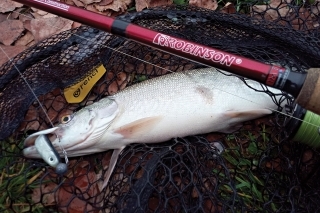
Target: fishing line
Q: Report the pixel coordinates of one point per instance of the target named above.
(144, 61)
(29, 86)
(282, 113)
(37, 99)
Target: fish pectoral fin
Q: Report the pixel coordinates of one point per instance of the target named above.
(138, 127)
(237, 117)
(112, 164)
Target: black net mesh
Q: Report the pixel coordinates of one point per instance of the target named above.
(260, 170)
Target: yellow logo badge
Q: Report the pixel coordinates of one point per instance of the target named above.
(76, 93)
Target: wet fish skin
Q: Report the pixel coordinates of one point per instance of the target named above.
(175, 105)
(156, 110)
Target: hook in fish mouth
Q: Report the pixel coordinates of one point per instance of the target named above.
(39, 145)
(45, 148)
(47, 152)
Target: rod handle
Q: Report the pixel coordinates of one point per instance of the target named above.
(309, 96)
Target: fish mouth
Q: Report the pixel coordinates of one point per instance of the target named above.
(76, 140)
(30, 151)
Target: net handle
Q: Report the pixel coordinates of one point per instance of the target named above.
(309, 96)
(270, 75)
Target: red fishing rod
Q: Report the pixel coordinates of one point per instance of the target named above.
(304, 87)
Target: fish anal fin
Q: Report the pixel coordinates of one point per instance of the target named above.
(112, 164)
(232, 128)
(138, 127)
(237, 117)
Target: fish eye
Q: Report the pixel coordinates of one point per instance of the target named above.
(65, 119)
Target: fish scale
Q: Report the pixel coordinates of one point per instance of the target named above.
(176, 95)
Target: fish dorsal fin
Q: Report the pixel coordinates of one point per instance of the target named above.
(138, 127)
(112, 164)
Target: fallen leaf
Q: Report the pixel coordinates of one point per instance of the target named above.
(229, 8)
(10, 31)
(27, 25)
(122, 80)
(117, 6)
(44, 194)
(31, 43)
(36, 15)
(274, 164)
(86, 2)
(141, 4)
(315, 9)
(43, 28)
(56, 105)
(17, 4)
(8, 6)
(194, 193)
(105, 2)
(212, 206)
(11, 51)
(25, 39)
(156, 3)
(70, 2)
(34, 9)
(41, 12)
(15, 14)
(154, 204)
(3, 17)
(273, 11)
(302, 20)
(307, 156)
(59, 103)
(215, 137)
(76, 24)
(208, 4)
(25, 17)
(84, 182)
(78, 3)
(49, 15)
(92, 8)
(114, 87)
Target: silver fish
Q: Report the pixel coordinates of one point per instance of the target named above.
(156, 110)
